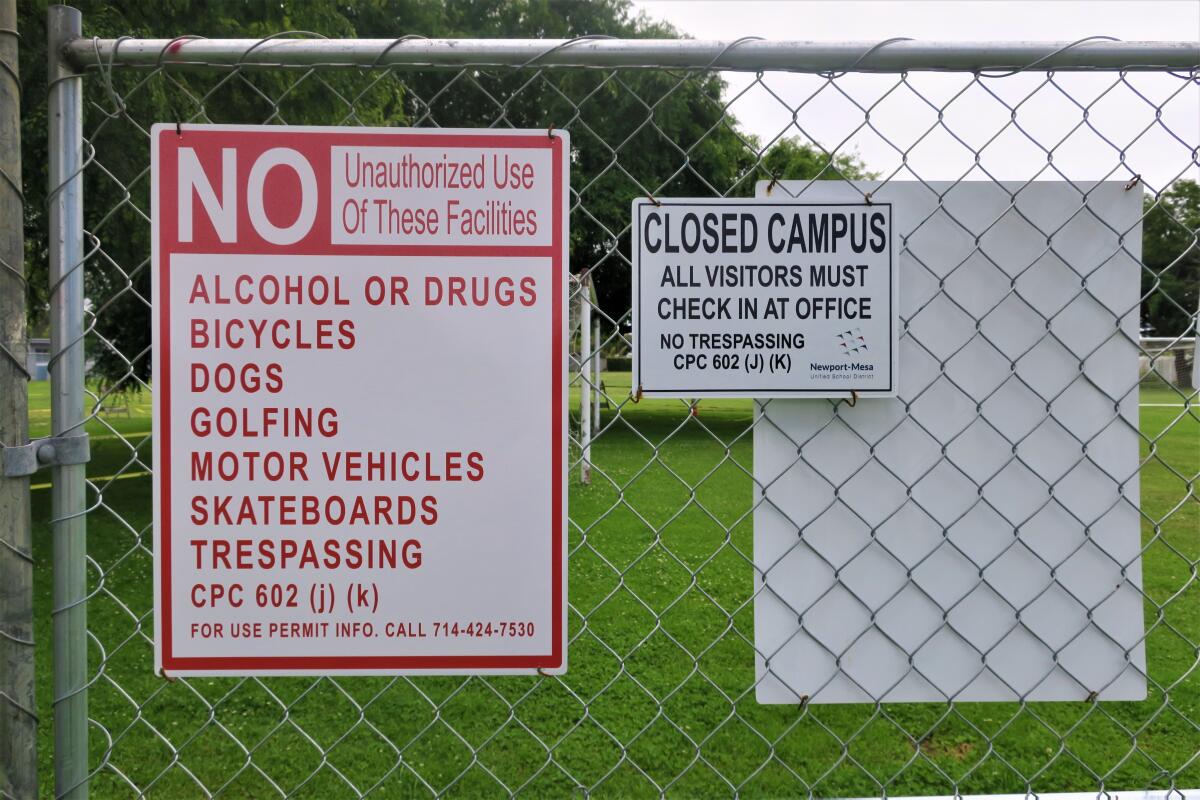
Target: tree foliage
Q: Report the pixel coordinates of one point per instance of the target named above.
(791, 159)
(1171, 280)
(118, 111)
(634, 132)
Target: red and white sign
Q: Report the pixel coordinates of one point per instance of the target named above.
(359, 400)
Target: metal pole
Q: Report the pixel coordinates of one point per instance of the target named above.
(585, 379)
(890, 56)
(596, 374)
(1196, 349)
(18, 711)
(69, 531)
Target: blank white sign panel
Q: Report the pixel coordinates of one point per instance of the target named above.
(983, 545)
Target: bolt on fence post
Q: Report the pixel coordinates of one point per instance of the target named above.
(68, 524)
(18, 711)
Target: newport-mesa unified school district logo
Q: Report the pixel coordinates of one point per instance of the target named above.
(852, 342)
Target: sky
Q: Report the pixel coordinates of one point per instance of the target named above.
(1121, 114)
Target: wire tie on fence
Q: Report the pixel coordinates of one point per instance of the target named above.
(653, 199)
(867, 197)
(178, 128)
(563, 45)
(408, 37)
(550, 131)
(771, 185)
(1033, 64)
(803, 701)
(853, 399)
(1092, 695)
(1133, 182)
(637, 396)
(162, 673)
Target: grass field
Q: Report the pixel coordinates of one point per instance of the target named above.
(647, 704)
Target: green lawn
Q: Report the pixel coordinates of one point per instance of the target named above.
(666, 702)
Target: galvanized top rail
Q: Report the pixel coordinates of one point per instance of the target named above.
(749, 54)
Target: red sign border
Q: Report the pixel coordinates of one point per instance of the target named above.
(165, 142)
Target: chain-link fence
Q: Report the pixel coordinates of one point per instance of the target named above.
(660, 697)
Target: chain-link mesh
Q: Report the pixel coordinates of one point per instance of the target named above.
(660, 695)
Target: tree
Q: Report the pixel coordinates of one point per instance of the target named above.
(634, 132)
(116, 124)
(790, 159)
(1172, 258)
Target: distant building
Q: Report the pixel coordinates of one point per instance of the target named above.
(37, 360)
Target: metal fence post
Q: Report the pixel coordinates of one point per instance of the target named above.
(18, 717)
(64, 23)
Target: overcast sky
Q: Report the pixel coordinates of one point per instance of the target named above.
(1048, 117)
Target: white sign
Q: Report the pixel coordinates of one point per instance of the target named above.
(978, 536)
(745, 298)
(359, 400)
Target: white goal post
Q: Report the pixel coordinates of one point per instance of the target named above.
(584, 328)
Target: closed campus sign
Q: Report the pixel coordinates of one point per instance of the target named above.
(759, 298)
